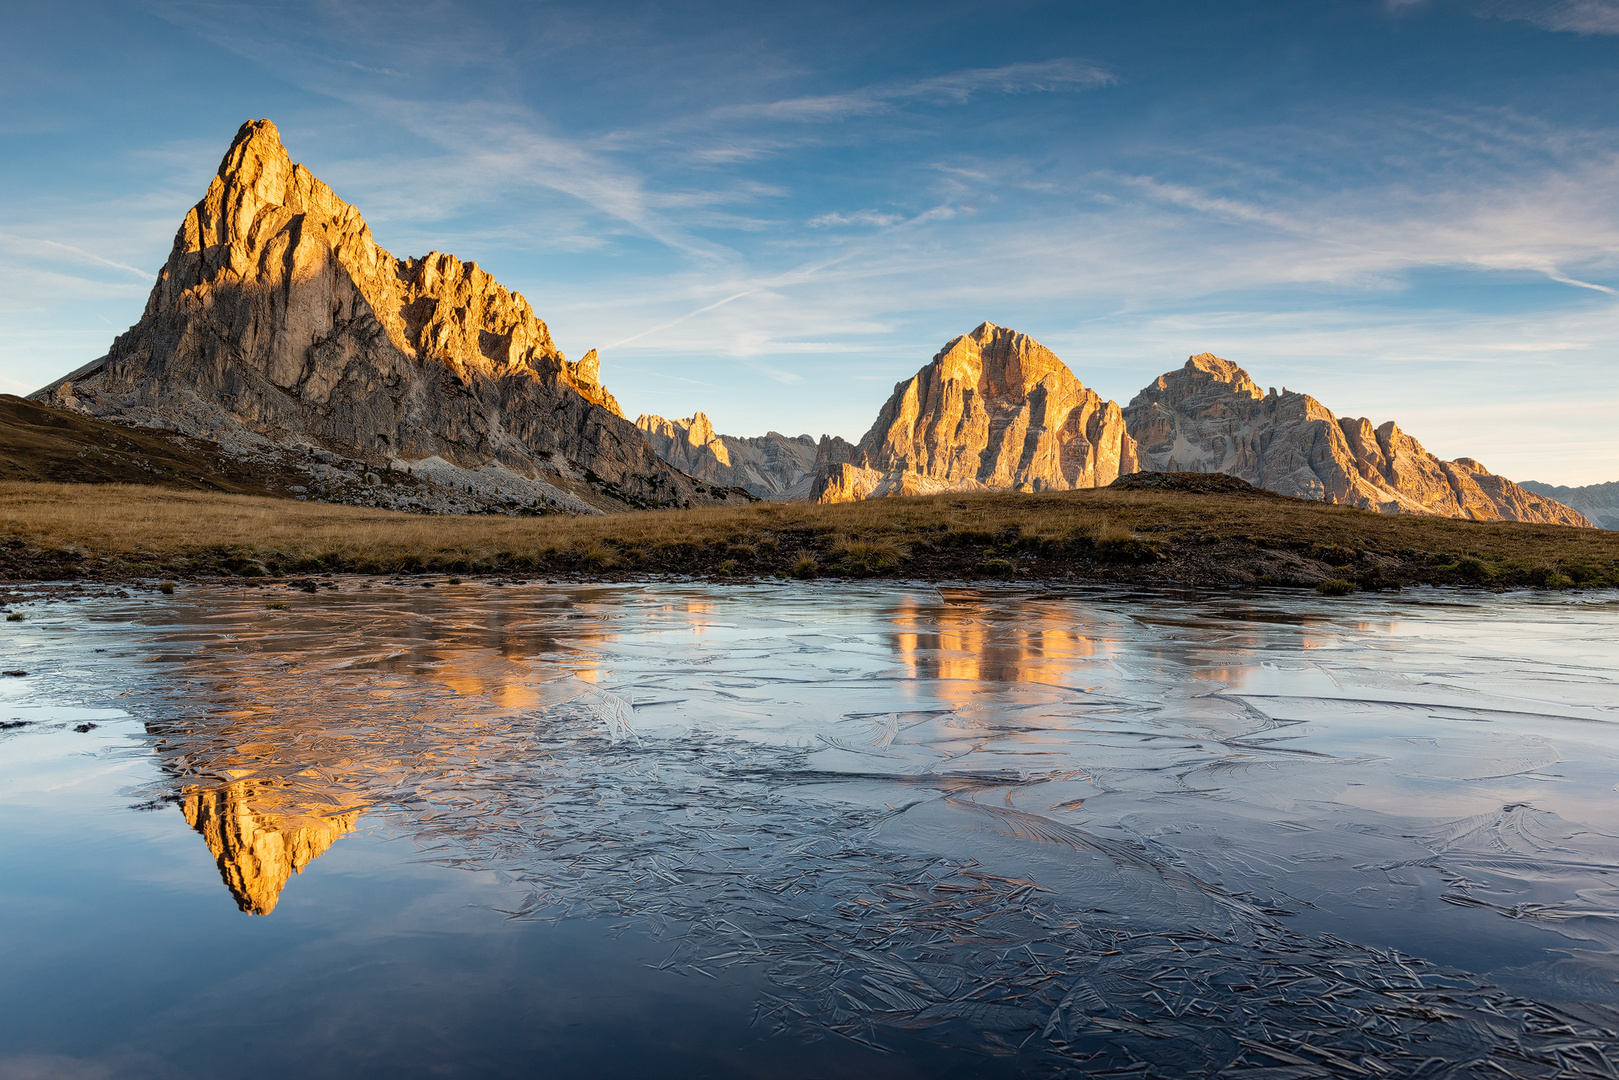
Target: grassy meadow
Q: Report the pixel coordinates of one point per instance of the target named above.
(110, 532)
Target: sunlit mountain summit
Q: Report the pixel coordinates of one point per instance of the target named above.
(279, 325)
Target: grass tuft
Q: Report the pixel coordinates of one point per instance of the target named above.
(595, 557)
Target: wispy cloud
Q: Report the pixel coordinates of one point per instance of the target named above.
(955, 88)
(69, 252)
(1570, 16)
(873, 218)
(1541, 226)
(506, 148)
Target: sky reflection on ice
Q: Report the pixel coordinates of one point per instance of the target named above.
(1074, 831)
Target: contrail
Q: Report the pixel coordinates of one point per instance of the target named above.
(83, 254)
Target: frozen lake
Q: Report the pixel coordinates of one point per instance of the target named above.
(809, 830)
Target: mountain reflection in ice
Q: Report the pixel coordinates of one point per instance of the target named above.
(258, 847)
(1097, 831)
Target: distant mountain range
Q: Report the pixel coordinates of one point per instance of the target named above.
(1599, 502)
(280, 333)
(769, 466)
(996, 409)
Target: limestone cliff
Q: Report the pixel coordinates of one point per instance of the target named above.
(278, 315)
(1599, 502)
(257, 844)
(771, 466)
(1209, 416)
(994, 409)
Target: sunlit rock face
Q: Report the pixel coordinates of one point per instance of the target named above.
(1209, 416)
(257, 843)
(771, 466)
(995, 409)
(278, 315)
(1599, 502)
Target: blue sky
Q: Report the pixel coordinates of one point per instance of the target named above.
(774, 212)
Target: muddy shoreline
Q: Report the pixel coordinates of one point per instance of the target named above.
(1215, 570)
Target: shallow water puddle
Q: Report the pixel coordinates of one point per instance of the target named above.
(810, 830)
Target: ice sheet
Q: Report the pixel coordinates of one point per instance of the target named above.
(1094, 830)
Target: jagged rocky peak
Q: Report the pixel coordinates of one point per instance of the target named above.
(1206, 372)
(1209, 416)
(278, 316)
(994, 409)
(771, 466)
(586, 377)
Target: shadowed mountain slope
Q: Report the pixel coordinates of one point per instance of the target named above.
(38, 442)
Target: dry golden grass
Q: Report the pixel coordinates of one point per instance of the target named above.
(128, 519)
(131, 530)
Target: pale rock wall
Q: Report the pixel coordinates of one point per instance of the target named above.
(771, 466)
(1599, 502)
(279, 314)
(1209, 416)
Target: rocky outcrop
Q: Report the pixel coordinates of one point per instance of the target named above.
(771, 466)
(994, 409)
(586, 378)
(1599, 502)
(1209, 416)
(257, 848)
(278, 316)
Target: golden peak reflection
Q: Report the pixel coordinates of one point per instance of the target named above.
(257, 849)
(968, 641)
(305, 723)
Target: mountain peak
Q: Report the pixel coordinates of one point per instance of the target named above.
(278, 314)
(994, 408)
(261, 134)
(1222, 371)
(256, 160)
(1208, 416)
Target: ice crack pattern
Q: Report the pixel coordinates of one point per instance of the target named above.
(1093, 834)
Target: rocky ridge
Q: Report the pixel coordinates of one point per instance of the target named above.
(1599, 502)
(1209, 416)
(994, 409)
(771, 466)
(279, 322)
